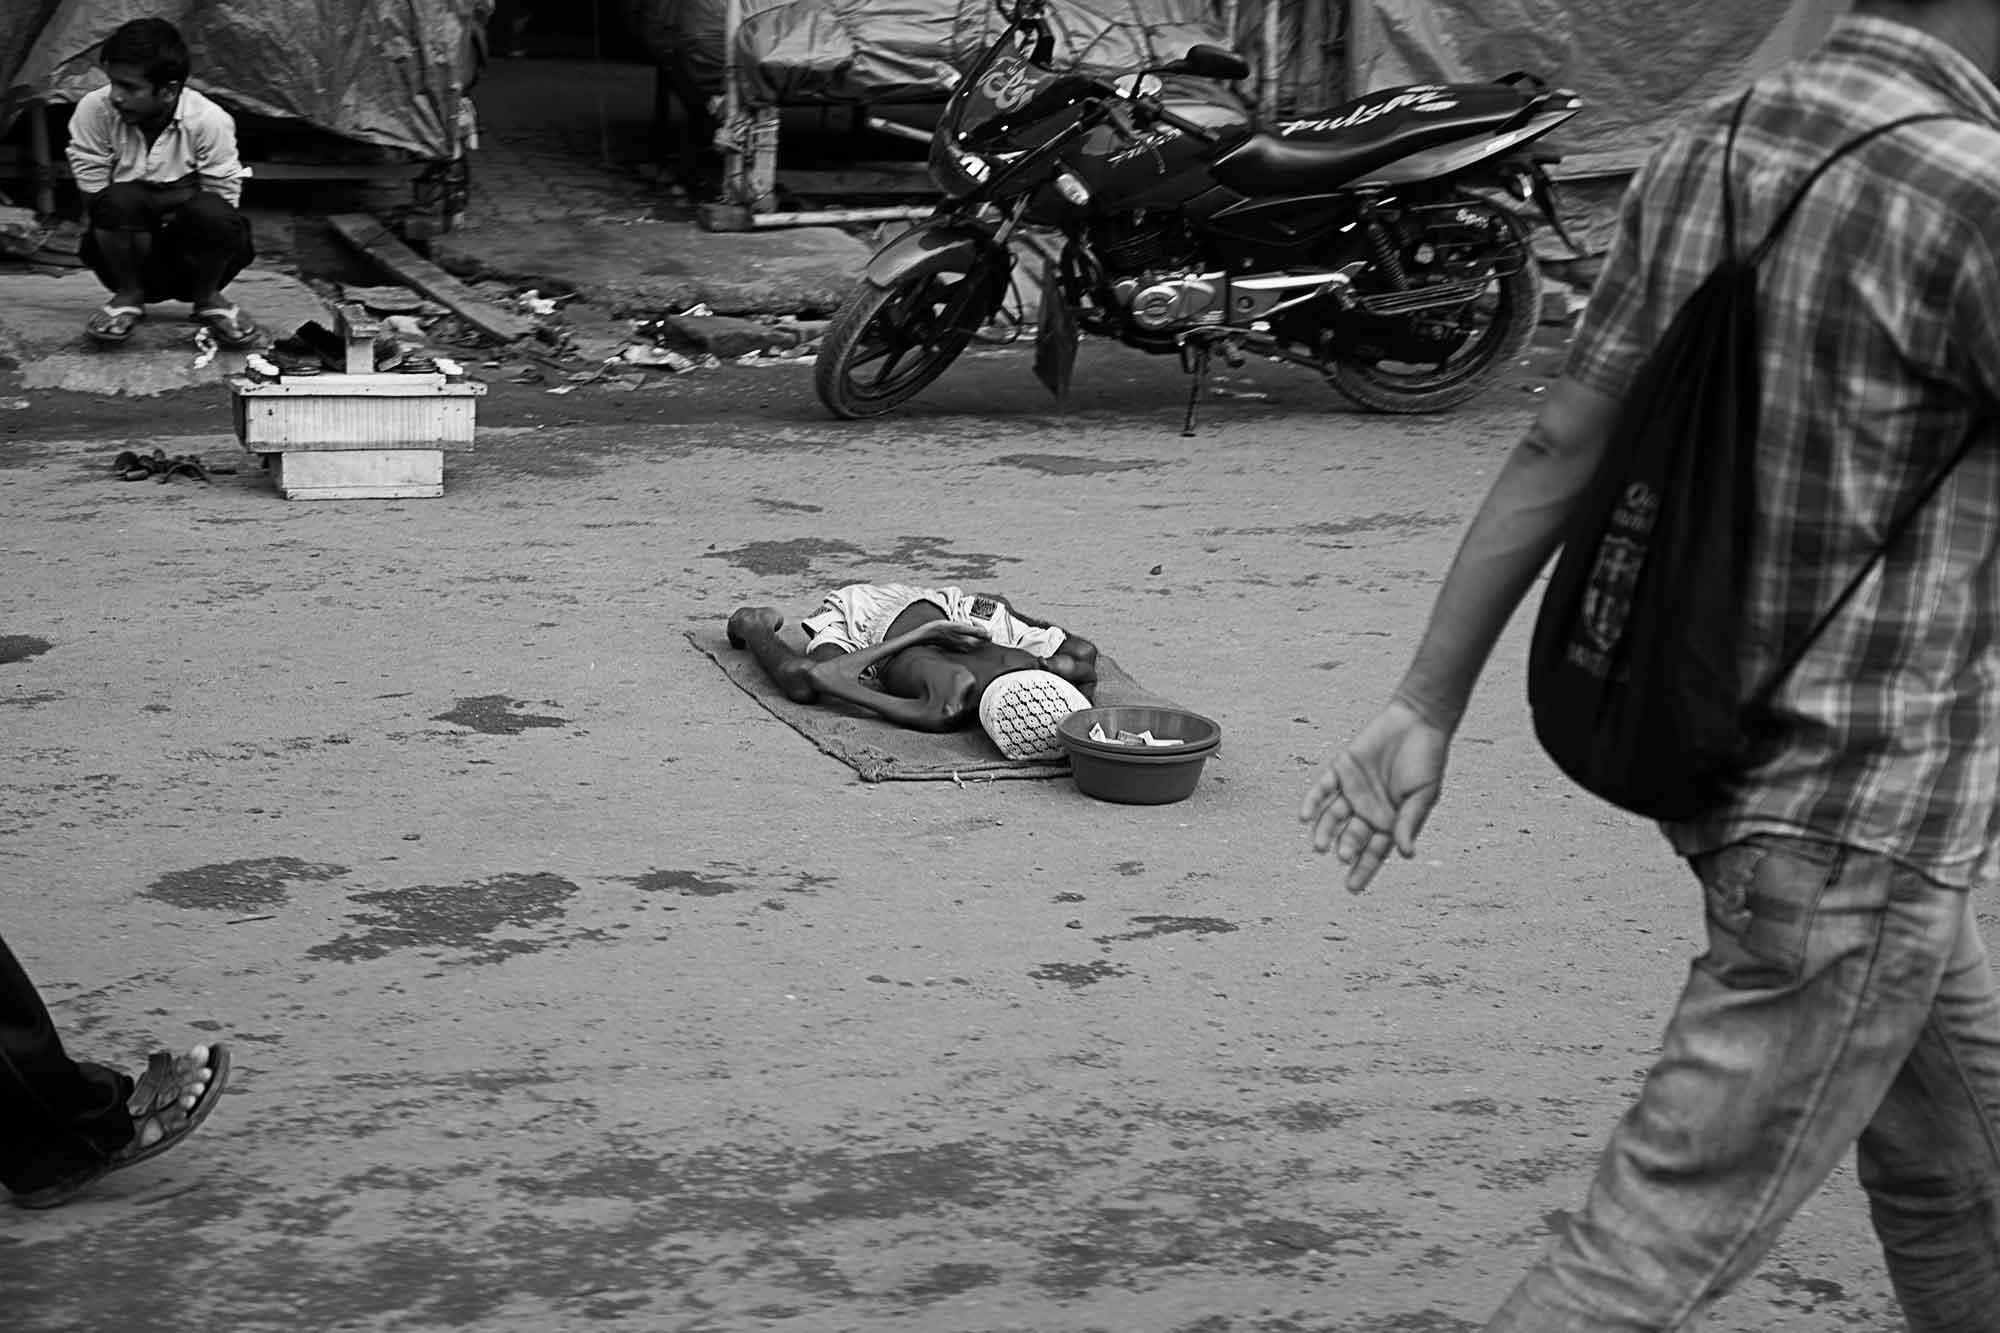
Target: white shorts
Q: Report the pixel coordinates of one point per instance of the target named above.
(859, 615)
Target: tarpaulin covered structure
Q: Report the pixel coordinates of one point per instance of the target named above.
(792, 52)
(1638, 64)
(391, 73)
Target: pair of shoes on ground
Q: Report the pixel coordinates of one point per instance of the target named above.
(133, 466)
(232, 325)
(172, 1097)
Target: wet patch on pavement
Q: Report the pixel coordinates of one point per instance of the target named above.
(1077, 975)
(21, 647)
(920, 560)
(1524, 1172)
(695, 884)
(496, 715)
(238, 886)
(1806, 1294)
(940, 1281)
(931, 561)
(1156, 926)
(467, 919)
(1074, 465)
(1311, 1074)
(787, 558)
(1313, 1117)
(1427, 1320)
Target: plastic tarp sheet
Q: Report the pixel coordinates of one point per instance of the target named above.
(385, 72)
(1638, 64)
(793, 52)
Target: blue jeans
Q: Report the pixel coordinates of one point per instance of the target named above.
(1843, 1000)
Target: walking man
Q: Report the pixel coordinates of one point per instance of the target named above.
(156, 164)
(1844, 999)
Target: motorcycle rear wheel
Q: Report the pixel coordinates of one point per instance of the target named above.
(1513, 306)
(887, 345)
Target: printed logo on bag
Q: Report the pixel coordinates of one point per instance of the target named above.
(1621, 556)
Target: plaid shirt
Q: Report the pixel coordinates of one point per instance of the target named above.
(1880, 314)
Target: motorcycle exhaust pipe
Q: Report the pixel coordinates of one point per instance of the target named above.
(1427, 298)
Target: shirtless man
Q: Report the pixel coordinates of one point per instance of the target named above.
(930, 653)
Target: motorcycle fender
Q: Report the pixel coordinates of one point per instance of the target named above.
(919, 243)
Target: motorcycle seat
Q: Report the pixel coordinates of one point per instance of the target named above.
(1330, 148)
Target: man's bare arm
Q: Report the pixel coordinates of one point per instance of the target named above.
(1517, 528)
(839, 677)
(1377, 791)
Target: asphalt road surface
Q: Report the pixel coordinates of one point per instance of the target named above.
(570, 990)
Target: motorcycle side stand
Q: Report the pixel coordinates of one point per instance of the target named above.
(1197, 352)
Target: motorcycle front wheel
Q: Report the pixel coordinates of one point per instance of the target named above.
(1503, 319)
(887, 344)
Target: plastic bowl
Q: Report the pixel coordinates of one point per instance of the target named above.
(1138, 774)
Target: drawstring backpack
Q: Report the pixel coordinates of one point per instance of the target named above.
(1633, 672)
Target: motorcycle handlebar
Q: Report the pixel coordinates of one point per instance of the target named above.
(1158, 110)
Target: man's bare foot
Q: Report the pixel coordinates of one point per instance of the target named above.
(746, 619)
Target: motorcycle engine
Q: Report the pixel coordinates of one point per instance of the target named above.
(1159, 302)
(1150, 266)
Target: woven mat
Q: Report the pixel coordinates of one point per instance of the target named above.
(882, 751)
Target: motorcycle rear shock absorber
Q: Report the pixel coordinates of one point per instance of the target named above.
(1383, 243)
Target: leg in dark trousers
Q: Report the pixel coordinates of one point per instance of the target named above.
(119, 246)
(151, 243)
(57, 1116)
(210, 244)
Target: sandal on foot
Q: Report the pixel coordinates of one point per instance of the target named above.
(168, 1101)
(137, 467)
(114, 323)
(231, 325)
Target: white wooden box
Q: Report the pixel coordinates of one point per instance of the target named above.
(358, 436)
(359, 474)
(374, 411)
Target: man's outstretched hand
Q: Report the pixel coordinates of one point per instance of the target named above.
(1376, 792)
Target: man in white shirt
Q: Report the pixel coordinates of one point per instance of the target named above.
(156, 164)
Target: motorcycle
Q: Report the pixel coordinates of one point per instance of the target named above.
(1377, 242)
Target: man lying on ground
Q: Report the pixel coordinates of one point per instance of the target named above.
(921, 657)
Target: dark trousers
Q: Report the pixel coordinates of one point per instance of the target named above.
(57, 1115)
(194, 234)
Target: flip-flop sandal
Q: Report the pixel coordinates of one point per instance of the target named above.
(132, 466)
(114, 323)
(230, 325)
(155, 1102)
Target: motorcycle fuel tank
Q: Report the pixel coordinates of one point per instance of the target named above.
(1162, 166)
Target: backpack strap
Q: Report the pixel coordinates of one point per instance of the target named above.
(1785, 214)
(1902, 521)
(1897, 528)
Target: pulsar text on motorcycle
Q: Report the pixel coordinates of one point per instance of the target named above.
(1376, 242)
